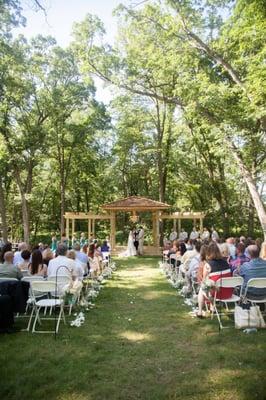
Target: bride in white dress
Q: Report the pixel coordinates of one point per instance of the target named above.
(131, 249)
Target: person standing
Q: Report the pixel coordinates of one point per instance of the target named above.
(173, 235)
(183, 235)
(194, 234)
(141, 240)
(205, 236)
(136, 239)
(214, 235)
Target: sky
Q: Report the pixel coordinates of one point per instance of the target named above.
(61, 14)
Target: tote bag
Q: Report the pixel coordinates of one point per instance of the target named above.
(248, 317)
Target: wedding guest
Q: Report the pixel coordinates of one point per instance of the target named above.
(6, 247)
(17, 256)
(240, 259)
(255, 268)
(263, 251)
(24, 265)
(194, 234)
(8, 269)
(79, 269)
(193, 266)
(47, 256)
(183, 235)
(36, 266)
(173, 235)
(214, 235)
(202, 264)
(205, 236)
(55, 265)
(232, 248)
(54, 244)
(215, 268)
(105, 248)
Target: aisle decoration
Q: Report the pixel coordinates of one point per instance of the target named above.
(89, 292)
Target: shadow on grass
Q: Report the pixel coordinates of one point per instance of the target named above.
(138, 343)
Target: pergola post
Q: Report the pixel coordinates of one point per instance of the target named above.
(155, 229)
(174, 225)
(93, 227)
(112, 230)
(201, 224)
(179, 226)
(73, 227)
(67, 228)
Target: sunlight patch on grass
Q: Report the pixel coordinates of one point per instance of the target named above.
(133, 336)
(152, 294)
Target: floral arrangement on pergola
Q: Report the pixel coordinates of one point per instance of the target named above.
(136, 204)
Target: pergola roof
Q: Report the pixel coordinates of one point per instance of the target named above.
(135, 203)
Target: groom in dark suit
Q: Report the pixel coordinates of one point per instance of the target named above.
(136, 238)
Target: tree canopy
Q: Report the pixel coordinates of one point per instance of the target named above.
(186, 124)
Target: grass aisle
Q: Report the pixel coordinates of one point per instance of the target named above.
(138, 343)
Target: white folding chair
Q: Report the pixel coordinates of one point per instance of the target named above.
(226, 283)
(106, 258)
(47, 287)
(255, 283)
(31, 298)
(62, 283)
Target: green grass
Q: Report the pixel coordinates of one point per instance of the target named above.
(138, 343)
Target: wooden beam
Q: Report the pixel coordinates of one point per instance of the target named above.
(112, 230)
(67, 228)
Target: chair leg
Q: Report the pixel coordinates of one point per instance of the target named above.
(35, 320)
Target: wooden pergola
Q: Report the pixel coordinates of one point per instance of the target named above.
(71, 218)
(135, 205)
(179, 216)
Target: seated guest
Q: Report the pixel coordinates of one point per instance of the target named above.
(187, 257)
(8, 269)
(191, 274)
(47, 256)
(17, 256)
(93, 261)
(62, 261)
(232, 248)
(80, 255)
(79, 269)
(225, 251)
(36, 266)
(263, 251)
(240, 258)
(105, 248)
(173, 235)
(215, 268)
(24, 265)
(202, 264)
(255, 268)
(6, 247)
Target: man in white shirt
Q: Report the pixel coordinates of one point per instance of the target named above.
(214, 235)
(173, 235)
(17, 256)
(205, 234)
(183, 235)
(194, 234)
(62, 261)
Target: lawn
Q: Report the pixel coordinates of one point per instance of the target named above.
(137, 343)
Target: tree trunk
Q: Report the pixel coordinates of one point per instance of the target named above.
(3, 213)
(24, 206)
(62, 207)
(251, 187)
